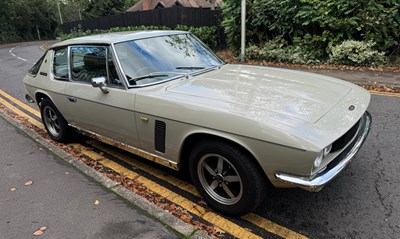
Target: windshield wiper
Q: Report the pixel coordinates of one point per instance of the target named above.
(156, 74)
(190, 67)
(151, 75)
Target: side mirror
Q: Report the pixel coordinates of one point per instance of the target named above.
(101, 83)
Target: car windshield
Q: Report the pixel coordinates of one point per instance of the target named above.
(158, 59)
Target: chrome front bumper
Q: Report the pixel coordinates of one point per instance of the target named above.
(317, 182)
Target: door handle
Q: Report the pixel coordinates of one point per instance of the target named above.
(72, 99)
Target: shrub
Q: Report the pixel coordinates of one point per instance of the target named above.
(356, 53)
(278, 50)
(207, 34)
(321, 24)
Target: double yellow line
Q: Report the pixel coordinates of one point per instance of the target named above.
(194, 208)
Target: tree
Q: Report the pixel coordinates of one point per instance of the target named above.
(129, 4)
(104, 8)
(30, 16)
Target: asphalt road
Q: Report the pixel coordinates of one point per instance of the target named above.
(362, 202)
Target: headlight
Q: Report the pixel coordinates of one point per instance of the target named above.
(322, 154)
(327, 150)
(318, 160)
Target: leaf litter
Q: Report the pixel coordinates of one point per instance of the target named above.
(132, 185)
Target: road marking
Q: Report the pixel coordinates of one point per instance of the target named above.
(384, 93)
(20, 113)
(251, 217)
(11, 52)
(21, 104)
(192, 207)
(272, 227)
(224, 224)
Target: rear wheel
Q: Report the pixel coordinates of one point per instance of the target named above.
(55, 124)
(227, 177)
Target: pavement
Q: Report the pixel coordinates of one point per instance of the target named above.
(61, 198)
(379, 78)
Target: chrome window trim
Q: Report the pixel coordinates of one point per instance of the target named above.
(52, 75)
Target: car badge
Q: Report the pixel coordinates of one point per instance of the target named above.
(352, 107)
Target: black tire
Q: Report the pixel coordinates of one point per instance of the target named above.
(55, 124)
(234, 187)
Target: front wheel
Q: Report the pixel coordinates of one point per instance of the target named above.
(55, 124)
(227, 177)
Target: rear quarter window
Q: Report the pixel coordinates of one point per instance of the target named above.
(60, 64)
(35, 68)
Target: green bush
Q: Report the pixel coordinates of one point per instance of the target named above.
(320, 24)
(207, 34)
(356, 53)
(278, 50)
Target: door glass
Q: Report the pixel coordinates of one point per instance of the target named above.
(88, 62)
(60, 64)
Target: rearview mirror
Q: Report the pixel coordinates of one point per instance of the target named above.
(101, 83)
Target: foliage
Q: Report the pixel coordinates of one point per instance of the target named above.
(278, 50)
(20, 20)
(130, 3)
(356, 53)
(104, 8)
(321, 24)
(207, 34)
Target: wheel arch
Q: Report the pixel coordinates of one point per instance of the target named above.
(191, 140)
(39, 96)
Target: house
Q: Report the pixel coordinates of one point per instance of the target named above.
(144, 5)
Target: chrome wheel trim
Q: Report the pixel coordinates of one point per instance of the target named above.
(220, 179)
(51, 120)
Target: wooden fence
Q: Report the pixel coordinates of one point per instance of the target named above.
(170, 17)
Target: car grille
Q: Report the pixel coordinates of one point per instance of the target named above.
(346, 138)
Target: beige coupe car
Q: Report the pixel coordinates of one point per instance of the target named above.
(166, 97)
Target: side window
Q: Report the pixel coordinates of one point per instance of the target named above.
(35, 68)
(88, 62)
(112, 71)
(60, 64)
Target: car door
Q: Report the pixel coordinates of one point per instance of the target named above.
(108, 112)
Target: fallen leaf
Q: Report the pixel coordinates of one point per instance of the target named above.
(28, 183)
(186, 218)
(38, 233)
(13, 189)
(202, 203)
(97, 202)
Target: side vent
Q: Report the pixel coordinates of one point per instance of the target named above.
(159, 136)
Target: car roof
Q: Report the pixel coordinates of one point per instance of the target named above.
(109, 38)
